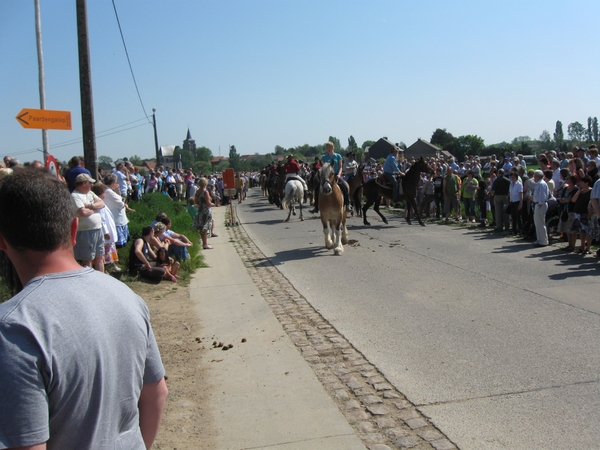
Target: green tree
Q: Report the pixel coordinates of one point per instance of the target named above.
(105, 162)
(366, 144)
(337, 147)
(184, 156)
(352, 145)
(234, 159)
(576, 132)
(589, 136)
(519, 139)
(279, 150)
(545, 139)
(595, 129)
(559, 136)
(204, 154)
(136, 160)
(468, 145)
(443, 139)
(203, 167)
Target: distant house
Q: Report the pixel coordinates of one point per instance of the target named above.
(380, 149)
(218, 160)
(422, 148)
(166, 154)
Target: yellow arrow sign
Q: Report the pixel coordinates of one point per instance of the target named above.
(44, 119)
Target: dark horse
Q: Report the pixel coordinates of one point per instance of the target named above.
(373, 192)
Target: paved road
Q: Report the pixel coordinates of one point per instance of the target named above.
(495, 341)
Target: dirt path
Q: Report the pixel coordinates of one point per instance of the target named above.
(186, 422)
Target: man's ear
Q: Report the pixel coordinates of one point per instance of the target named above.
(74, 226)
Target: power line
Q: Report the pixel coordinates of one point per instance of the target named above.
(129, 61)
(100, 134)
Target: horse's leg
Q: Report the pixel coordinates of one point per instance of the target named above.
(293, 208)
(326, 234)
(289, 214)
(368, 203)
(376, 209)
(408, 208)
(414, 203)
(359, 202)
(301, 217)
(338, 249)
(344, 230)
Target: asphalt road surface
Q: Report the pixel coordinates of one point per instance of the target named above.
(494, 340)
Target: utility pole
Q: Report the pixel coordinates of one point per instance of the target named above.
(38, 38)
(155, 137)
(85, 89)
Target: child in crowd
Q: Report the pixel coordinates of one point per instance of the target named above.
(169, 264)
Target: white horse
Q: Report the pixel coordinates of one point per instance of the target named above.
(294, 190)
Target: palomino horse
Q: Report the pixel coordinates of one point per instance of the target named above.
(373, 192)
(332, 210)
(294, 190)
(263, 184)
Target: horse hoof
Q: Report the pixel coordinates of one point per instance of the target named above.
(301, 219)
(294, 213)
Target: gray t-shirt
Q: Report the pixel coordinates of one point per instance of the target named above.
(76, 349)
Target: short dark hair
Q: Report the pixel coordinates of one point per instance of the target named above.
(160, 216)
(147, 230)
(99, 188)
(37, 211)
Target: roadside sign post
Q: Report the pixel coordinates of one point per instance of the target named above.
(44, 119)
(229, 190)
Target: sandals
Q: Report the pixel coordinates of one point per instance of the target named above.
(214, 235)
(207, 247)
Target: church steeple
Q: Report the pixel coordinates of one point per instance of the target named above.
(189, 143)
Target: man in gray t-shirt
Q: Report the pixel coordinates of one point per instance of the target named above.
(80, 365)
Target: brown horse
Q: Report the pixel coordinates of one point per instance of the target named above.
(332, 210)
(373, 192)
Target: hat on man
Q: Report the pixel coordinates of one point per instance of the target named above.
(83, 177)
(291, 155)
(350, 154)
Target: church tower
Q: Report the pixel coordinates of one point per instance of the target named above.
(190, 144)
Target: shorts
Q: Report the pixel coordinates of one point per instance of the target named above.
(89, 244)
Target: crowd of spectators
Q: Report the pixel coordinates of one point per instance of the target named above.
(102, 206)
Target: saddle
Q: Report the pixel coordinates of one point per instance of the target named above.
(295, 177)
(382, 181)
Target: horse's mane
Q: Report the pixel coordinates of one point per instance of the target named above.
(326, 170)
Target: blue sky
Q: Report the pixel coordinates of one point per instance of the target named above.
(261, 73)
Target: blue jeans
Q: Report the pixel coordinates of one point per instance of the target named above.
(392, 179)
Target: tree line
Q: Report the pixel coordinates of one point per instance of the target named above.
(460, 147)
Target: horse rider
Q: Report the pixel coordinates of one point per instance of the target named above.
(314, 167)
(292, 172)
(390, 170)
(335, 159)
(350, 167)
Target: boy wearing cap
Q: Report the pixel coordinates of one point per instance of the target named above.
(89, 246)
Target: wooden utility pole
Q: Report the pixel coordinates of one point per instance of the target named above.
(38, 36)
(85, 88)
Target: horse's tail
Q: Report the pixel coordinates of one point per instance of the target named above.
(290, 193)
